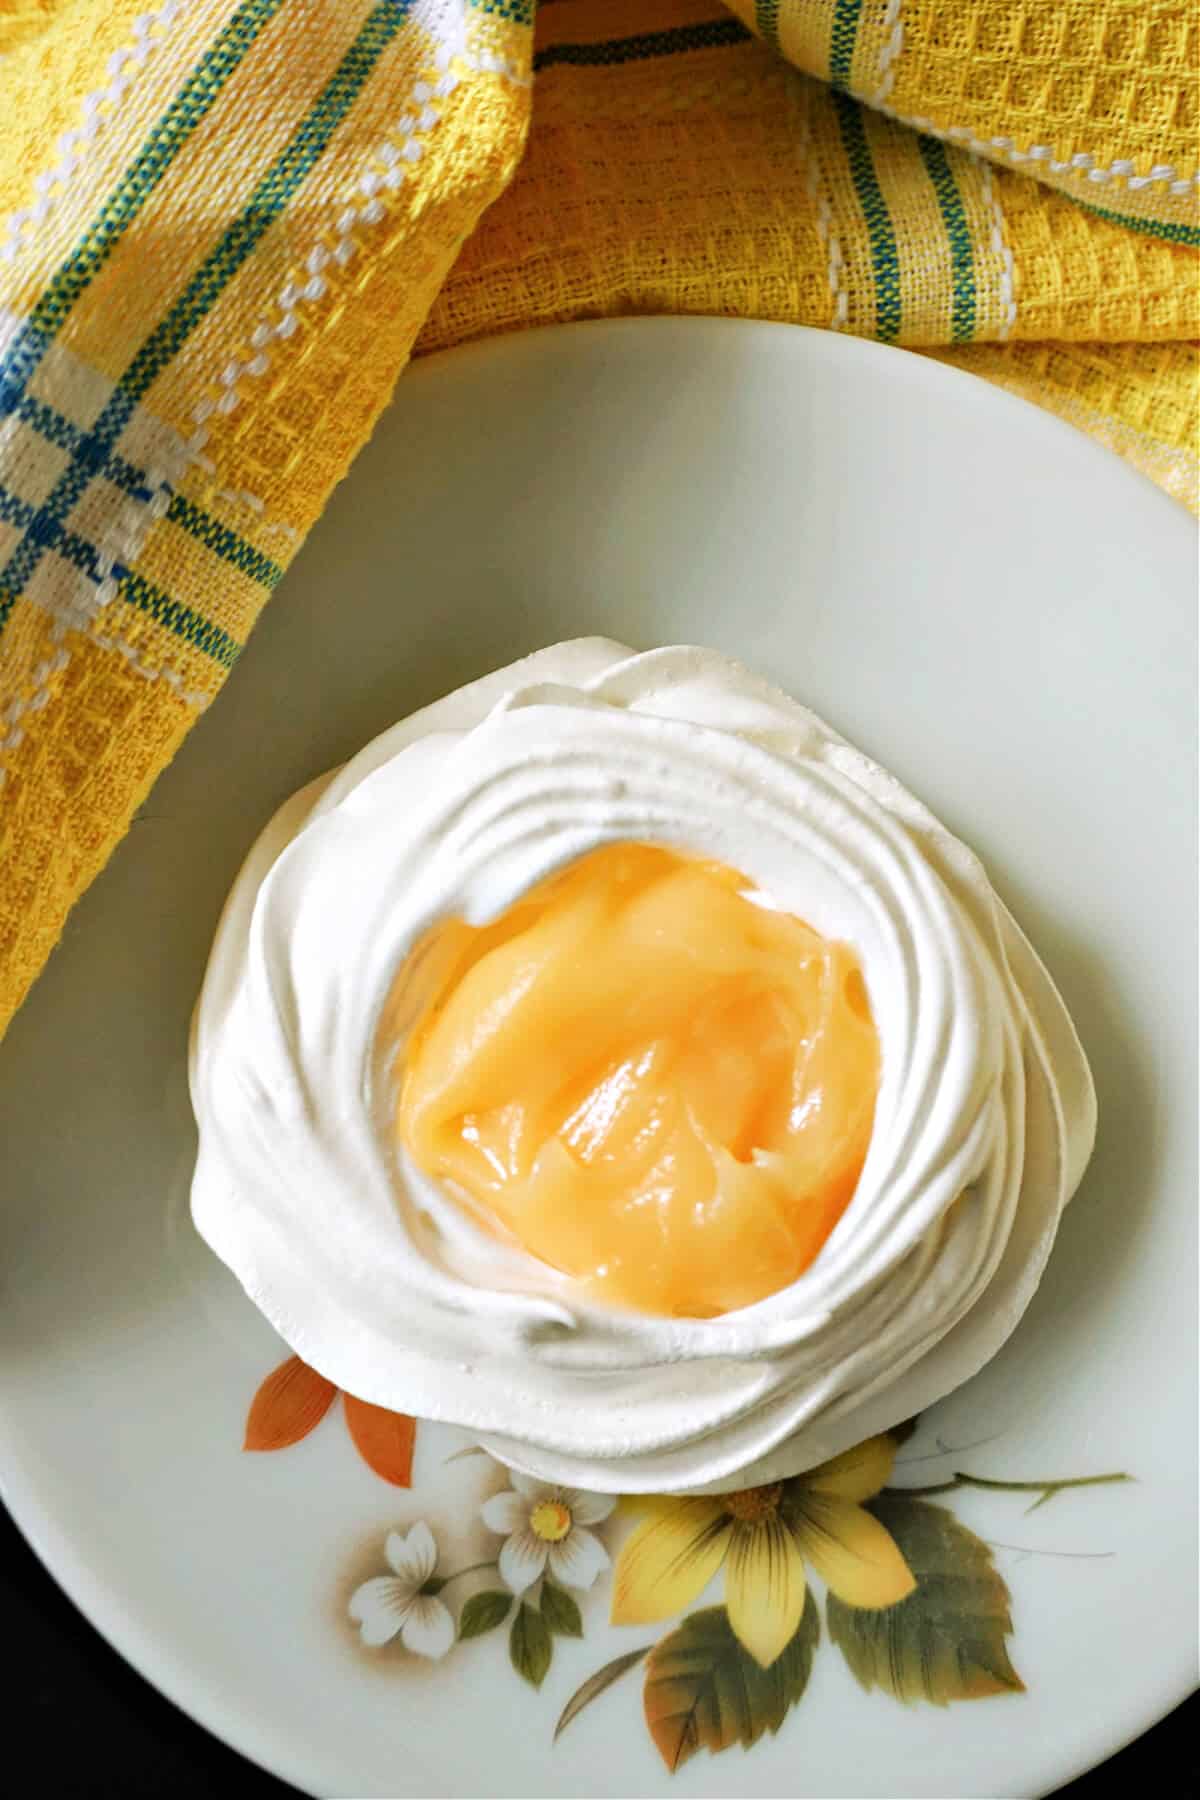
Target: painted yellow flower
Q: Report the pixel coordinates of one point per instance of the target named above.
(763, 1537)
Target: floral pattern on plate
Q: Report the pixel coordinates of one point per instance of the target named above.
(912, 1599)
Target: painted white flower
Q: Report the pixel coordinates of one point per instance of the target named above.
(544, 1525)
(394, 1603)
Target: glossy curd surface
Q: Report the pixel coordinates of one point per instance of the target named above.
(651, 1079)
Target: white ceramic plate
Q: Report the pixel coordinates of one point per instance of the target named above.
(1003, 615)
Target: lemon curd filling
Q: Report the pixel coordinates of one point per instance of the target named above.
(648, 1077)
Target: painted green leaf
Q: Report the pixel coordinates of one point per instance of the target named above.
(483, 1612)
(560, 1611)
(530, 1645)
(595, 1685)
(946, 1640)
(705, 1692)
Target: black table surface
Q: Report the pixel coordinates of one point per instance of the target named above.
(81, 1717)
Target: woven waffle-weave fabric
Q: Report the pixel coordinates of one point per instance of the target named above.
(225, 225)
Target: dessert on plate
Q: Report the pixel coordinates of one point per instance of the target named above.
(612, 1060)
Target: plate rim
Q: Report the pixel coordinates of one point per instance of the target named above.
(99, 1600)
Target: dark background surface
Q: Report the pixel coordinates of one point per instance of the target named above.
(92, 1727)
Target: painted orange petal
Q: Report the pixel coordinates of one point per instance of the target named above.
(383, 1439)
(289, 1404)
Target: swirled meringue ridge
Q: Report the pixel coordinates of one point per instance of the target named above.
(984, 1120)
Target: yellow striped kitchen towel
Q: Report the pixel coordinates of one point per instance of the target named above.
(226, 224)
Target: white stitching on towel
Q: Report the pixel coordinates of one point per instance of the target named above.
(16, 710)
(1083, 164)
(122, 541)
(54, 665)
(814, 188)
(890, 55)
(98, 108)
(999, 245)
(251, 503)
(421, 117)
(190, 697)
(120, 544)
(248, 502)
(489, 62)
